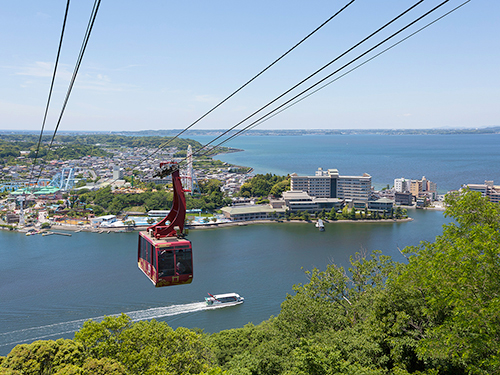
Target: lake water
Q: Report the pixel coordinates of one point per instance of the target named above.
(50, 285)
(448, 160)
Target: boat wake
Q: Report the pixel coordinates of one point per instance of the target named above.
(58, 329)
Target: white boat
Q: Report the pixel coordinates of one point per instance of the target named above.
(220, 300)
(320, 225)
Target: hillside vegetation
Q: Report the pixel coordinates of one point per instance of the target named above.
(66, 147)
(437, 313)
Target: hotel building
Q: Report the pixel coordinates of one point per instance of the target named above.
(329, 184)
(488, 189)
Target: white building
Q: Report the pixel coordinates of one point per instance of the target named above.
(107, 219)
(329, 184)
(401, 185)
(117, 173)
(354, 187)
(488, 189)
(301, 201)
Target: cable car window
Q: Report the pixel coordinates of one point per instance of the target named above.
(148, 252)
(165, 263)
(184, 261)
(139, 255)
(153, 255)
(142, 248)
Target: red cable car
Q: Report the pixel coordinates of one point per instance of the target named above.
(164, 255)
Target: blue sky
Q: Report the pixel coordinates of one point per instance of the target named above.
(161, 64)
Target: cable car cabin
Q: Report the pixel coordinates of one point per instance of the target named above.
(164, 256)
(165, 261)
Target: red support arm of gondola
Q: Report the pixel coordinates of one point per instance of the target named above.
(177, 214)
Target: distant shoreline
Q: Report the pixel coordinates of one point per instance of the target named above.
(77, 228)
(301, 132)
(281, 132)
(251, 222)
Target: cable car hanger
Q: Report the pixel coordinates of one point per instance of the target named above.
(166, 171)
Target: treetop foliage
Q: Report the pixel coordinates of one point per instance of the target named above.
(264, 185)
(459, 277)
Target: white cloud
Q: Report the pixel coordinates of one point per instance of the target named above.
(41, 15)
(88, 81)
(100, 82)
(206, 99)
(43, 69)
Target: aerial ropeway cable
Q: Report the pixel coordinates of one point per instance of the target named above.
(147, 241)
(164, 254)
(83, 47)
(197, 152)
(247, 83)
(353, 69)
(262, 118)
(50, 91)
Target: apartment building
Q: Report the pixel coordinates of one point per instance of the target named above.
(329, 184)
(401, 185)
(423, 188)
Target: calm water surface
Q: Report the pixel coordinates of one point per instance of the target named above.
(448, 160)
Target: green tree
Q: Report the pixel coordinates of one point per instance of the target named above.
(458, 279)
(246, 190)
(278, 188)
(43, 357)
(129, 223)
(103, 366)
(145, 347)
(310, 357)
(263, 185)
(345, 212)
(210, 186)
(334, 310)
(398, 212)
(157, 201)
(103, 197)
